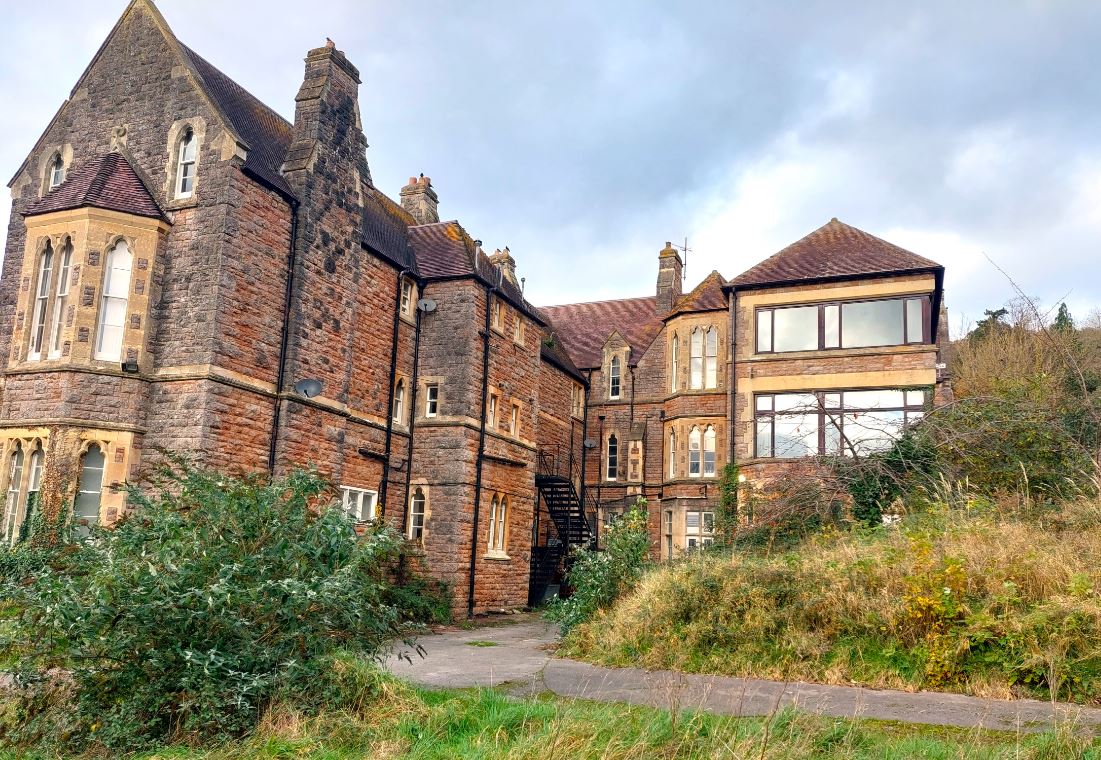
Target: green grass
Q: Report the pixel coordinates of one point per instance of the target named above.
(481, 643)
(489, 725)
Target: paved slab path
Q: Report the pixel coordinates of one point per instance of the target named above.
(521, 657)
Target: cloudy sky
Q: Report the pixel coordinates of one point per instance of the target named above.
(583, 135)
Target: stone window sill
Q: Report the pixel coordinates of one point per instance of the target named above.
(496, 555)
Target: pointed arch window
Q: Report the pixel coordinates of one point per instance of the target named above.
(711, 359)
(89, 490)
(34, 486)
(613, 457)
(57, 171)
(695, 445)
(709, 452)
(416, 515)
(614, 378)
(116, 294)
(674, 365)
(41, 303)
(672, 454)
(15, 486)
(61, 297)
(185, 165)
(399, 402)
(498, 523)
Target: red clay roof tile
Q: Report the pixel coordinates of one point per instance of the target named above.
(584, 327)
(107, 181)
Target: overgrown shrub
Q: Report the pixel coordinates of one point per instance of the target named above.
(45, 537)
(185, 620)
(598, 578)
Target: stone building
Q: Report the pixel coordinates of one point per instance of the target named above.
(185, 270)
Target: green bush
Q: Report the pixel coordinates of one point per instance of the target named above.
(184, 621)
(599, 577)
(43, 539)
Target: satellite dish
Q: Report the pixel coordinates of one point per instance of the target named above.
(308, 387)
(427, 305)
(590, 443)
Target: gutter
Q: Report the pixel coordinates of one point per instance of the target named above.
(382, 487)
(490, 292)
(284, 339)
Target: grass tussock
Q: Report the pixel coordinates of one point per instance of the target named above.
(959, 599)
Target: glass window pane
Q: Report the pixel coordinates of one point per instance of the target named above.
(708, 522)
(796, 435)
(796, 402)
(764, 438)
(868, 432)
(871, 323)
(764, 330)
(831, 333)
(915, 398)
(764, 403)
(692, 522)
(796, 329)
(915, 332)
(831, 400)
(833, 435)
(879, 399)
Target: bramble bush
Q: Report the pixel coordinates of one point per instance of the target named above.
(215, 597)
(599, 577)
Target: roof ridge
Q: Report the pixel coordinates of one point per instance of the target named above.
(602, 301)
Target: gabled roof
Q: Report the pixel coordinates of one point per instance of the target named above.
(553, 351)
(107, 181)
(385, 228)
(584, 327)
(444, 250)
(707, 296)
(834, 251)
(266, 133)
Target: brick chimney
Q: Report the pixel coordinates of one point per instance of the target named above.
(504, 260)
(670, 276)
(420, 200)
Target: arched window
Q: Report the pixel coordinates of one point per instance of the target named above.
(613, 378)
(116, 294)
(57, 171)
(709, 452)
(61, 298)
(672, 453)
(613, 457)
(34, 486)
(674, 365)
(89, 490)
(185, 165)
(695, 442)
(15, 485)
(497, 524)
(41, 303)
(399, 402)
(416, 515)
(711, 359)
(695, 360)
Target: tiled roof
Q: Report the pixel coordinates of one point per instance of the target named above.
(444, 249)
(267, 133)
(552, 350)
(833, 251)
(107, 181)
(385, 228)
(584, 327)
(707, 296)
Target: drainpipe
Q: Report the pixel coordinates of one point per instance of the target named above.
(730, 389)
(284, 338)
(584, 437)
(413, 414)
(601, 473)
(490, 292)
(382, 487)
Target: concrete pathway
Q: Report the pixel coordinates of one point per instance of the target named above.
(520, 657)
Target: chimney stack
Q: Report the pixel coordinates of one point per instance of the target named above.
(420, 200)
(670, 276)
(504, 260)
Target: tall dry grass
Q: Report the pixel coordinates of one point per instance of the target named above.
(961, 598)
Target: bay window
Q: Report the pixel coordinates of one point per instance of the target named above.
(116, 294)
(846, 324)
(846, 423)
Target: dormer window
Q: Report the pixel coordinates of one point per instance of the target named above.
(185, 166)
(614, 378)
(57, 172)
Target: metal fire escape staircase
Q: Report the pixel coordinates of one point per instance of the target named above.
(574, 523)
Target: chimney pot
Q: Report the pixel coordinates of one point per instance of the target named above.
(420, 200)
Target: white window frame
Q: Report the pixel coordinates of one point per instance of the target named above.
(711, 358)
(61, 298)
(695, 452)
(97, 493)
(431, 400)
(187, 155)
(615, 384)
(416, 526)
(672, 454)
(56, 172)
(709, 462)
(117, 274)
(39, 335)
(397, 413)
(17, 462)
(611, 458)
(498, 526)
(498, 320)
(703, 533)
(514, 420)
(674, 351)
(518, 330)
(491, 411)
(407, 297)
(361, 504)
(696, 342)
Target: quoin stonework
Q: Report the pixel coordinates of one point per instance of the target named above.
(186, 271)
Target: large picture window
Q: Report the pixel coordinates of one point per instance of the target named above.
(846, 423)
(848, 324)
(116, 294)
(703, 358)
(89, 490)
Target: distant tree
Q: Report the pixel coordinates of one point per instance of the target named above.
(1064, 322)
(992, 324)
